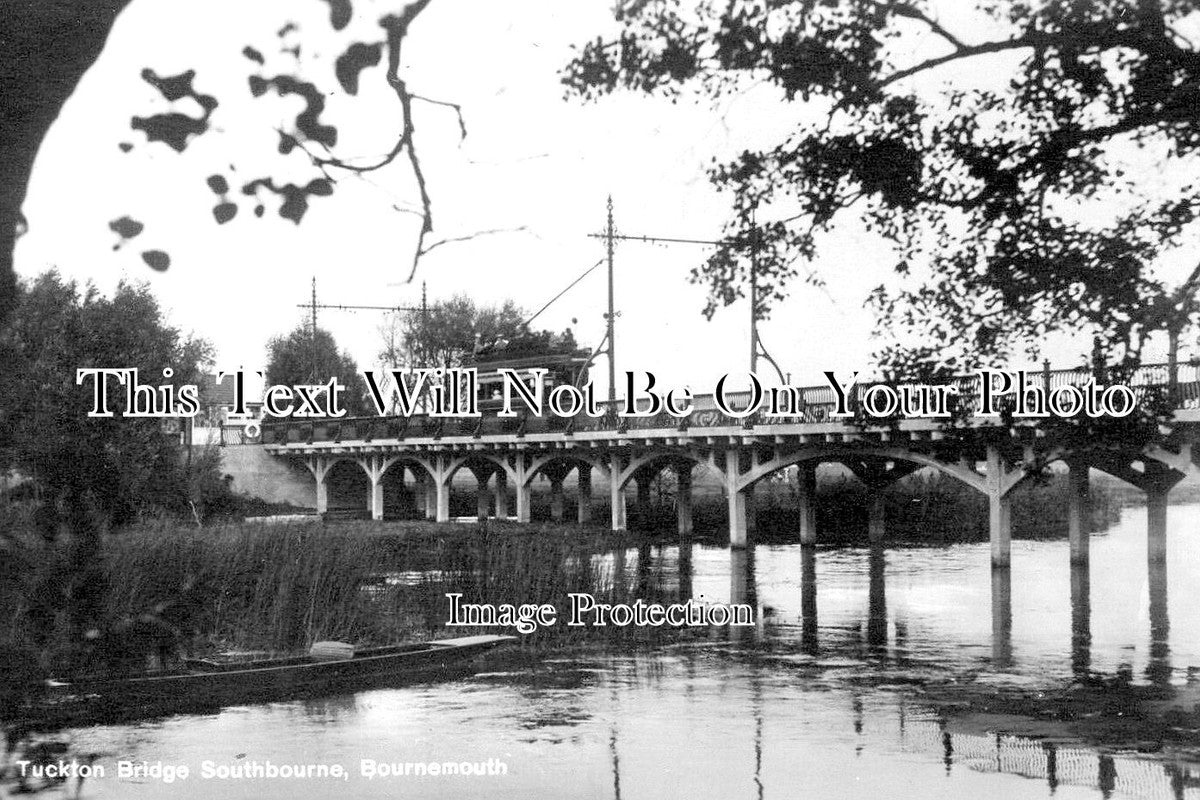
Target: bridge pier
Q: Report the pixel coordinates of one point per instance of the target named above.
(738, 530)
(616, 492)
(442, 498)
(999, 508)
(806, 494)
(524, 500)
(584, 487)
(376, 495)
(683, 497)
(322, 494)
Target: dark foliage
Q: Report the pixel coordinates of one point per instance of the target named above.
(1008, 199)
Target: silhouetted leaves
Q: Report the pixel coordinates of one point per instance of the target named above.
(307, 121)
(218, 184)
(253, 55)
(339, 13)
(125, 227)
(1004, 193)
(125, 147)
(223, 212)
(157, 260)
(295, 198)
(357, 57)
(174, 128)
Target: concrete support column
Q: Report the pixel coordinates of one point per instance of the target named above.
(806, 473)
(585, 494)
(443, 479)
(738, 533)
(1079, 511)
(1156, 524)
(322, 493)
(616, 465)
(500, 494)
(617, 498)
(376, 496)
(683, 498)
(524, 492)
(999, 510)
(556, 500)
(876, 518)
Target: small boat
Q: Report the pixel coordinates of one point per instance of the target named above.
(329, 667)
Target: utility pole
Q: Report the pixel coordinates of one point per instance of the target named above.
(313, 305)
(753, 244)
(313, 339)
(612, 329)
(754, 241)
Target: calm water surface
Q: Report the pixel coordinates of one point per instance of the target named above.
(815, 701)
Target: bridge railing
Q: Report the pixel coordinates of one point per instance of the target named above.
(809, 404)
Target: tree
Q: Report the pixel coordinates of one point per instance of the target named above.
(118, 464)
(1012, 200)
(452, 332)
(55, 42)
(447, 332)
(300, 357)
(89, 473)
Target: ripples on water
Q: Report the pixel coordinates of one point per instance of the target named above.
(817, 700)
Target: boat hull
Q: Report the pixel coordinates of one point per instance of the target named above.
(210, 686)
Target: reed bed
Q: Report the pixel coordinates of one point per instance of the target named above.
(278, 588)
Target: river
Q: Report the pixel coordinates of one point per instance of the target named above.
(822, 698)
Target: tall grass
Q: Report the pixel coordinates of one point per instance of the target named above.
(279, 588)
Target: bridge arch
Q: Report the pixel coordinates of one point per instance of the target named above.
(664, 459)
(763, 469)
(538, 464)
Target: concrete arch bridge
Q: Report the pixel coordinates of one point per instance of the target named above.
(371, 458)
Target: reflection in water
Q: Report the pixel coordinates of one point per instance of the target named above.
(1081, 620)
(1158, 670)
(808, 600)
(1002, 617)
(743, 589)
(643, 570)
(876, 602)
(737, 718)
(685, 570)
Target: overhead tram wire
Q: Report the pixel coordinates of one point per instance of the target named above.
(570, 286)
(757, 348)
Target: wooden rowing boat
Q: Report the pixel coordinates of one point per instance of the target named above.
(208, 684)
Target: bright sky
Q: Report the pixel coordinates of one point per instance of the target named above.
(532, 159)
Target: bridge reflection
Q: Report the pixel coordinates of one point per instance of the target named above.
(920, 728)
